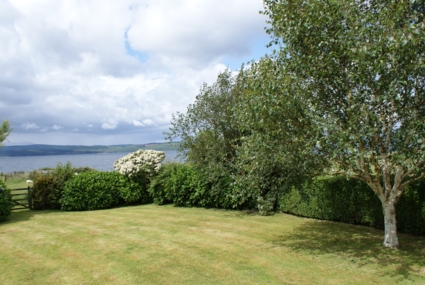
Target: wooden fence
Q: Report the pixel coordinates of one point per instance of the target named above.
(22, 198)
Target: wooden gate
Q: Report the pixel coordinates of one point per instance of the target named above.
(22, 198)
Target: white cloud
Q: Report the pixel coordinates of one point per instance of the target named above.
(148, 122)
(56, 127)
(191, 32)
(30, 126)
(110, 125)
(137, 123)
(75, 62)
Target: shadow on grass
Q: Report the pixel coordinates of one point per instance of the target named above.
(24, 215)
(361, 245)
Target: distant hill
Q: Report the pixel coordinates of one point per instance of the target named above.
(43, 149)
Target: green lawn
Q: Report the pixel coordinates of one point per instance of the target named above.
(166, 245)
(16, 181)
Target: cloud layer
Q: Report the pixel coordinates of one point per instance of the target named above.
(113, 72)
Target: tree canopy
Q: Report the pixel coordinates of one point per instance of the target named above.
(358, 67)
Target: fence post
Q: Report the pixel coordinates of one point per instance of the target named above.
(29, 198)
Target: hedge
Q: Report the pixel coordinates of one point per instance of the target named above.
(352, 201)
(100, 190)
(5, 201)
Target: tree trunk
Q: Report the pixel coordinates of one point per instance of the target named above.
(390, 236)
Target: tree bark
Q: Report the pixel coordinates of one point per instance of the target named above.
(390, 235)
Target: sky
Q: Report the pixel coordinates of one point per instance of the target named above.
(105, 72)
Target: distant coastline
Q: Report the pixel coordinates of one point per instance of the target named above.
(42, 149)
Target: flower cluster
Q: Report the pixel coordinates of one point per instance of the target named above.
(141, 161)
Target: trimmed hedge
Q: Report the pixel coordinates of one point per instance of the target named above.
(91, 191)
(101, 190)
(352, 201)
(5, 201)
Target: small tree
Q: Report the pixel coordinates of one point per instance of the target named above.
(5, 130)
(357, 69)
(209, 132)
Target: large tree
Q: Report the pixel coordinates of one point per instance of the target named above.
(358, 70)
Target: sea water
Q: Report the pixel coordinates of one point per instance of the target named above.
(99, 161)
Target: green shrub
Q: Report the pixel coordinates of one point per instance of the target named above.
(352, 201)
(224, 191)
(5, 201)
(44, 192)
(184, 184)
(134, 189)
(181, 185)
(100, 190)
(158, 184)
(48, 187)
(91, 191)
(183, 189)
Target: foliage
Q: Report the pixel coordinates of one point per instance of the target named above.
(48, 187)
(5, 201)
(91, 191)
(184, 185)
(351, 201)
(181, 185)
(158, 186)
(100, 190)
(185, 189)
(5, 130)
(134, 191)
(44, 192)
(334, 199)
(345, 92)
(411, 209)
(264, 172)
(210, 136)
(139, 168)
(366, 107)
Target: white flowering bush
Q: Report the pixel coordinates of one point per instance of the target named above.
(141, 162)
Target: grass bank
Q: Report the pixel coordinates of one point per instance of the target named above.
(16, 181)
(166, 245)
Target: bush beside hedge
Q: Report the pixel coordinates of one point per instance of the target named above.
(5, 201)
(48, 187)
(44, 196)
(101, 190)
(352, 201)
(181, 185)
